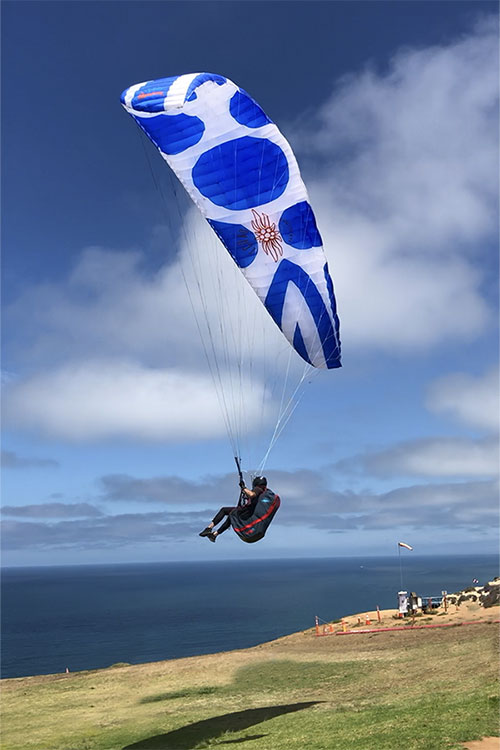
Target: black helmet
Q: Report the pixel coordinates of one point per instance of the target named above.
(259, 482)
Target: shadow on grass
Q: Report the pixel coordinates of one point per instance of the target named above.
(274, 677)
(188, 693)
(190, 736)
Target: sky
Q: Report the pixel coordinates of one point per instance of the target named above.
(114, 444)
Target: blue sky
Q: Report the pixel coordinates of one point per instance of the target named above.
(114, 447)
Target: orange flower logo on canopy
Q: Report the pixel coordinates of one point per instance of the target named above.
(267, 234)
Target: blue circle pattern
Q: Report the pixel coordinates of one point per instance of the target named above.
(172, 134)
(242, 173)
(246, 111)
(298, 227)
(238, 240)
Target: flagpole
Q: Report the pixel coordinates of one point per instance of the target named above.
(400, 568)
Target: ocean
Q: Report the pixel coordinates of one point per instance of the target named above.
(89, 617)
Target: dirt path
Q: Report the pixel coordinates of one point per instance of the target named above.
(487, 743)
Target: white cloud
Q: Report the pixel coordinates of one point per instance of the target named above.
(118, 351)
(405, 186)
(470, 399)
(431, 457)
(307, 504)
(110, 306)
(48, 511)
(94, 400)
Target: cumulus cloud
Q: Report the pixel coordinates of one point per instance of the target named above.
(406, 188)
(95, 400)
(311, 502)
(168, 490)
(470, 399)
(11, 460)
(117, 351)
(429, 457)
(308, 503)
(110, 306)
(174, 490)
(52, 510)
(107, 532)
(472, 505)
(431, 506)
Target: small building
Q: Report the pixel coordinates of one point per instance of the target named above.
(403, 603)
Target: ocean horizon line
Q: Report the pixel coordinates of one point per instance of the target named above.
(263, 560)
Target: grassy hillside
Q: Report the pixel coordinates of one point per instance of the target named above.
(422, 689)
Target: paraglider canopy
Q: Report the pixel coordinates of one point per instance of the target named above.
(243, 176)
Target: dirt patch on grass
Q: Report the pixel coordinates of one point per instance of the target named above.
(487, 743)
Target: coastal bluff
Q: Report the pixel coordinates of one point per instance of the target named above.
(486, 596)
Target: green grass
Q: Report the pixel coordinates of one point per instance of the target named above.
(427, 690)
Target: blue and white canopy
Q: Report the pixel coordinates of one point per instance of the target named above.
(242, 174)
